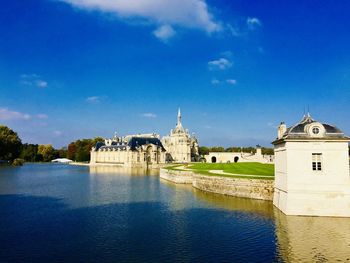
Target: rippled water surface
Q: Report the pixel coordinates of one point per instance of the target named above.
(59, 213)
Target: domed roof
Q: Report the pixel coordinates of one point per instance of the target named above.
(306, 121)
(308, 128)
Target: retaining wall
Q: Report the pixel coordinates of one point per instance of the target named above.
(178, 177)
(247, 188)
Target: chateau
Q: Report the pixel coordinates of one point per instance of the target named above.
(180, 146)
(312, 169)
(147, 149)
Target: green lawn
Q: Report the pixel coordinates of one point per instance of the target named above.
(236, 168)
(233, 168)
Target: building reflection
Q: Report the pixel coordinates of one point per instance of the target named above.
(108, 170)
(312, 239)
(259, 207)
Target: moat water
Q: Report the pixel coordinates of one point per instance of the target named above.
(62, 213)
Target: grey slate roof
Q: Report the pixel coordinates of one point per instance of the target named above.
(299, 131)
(133, 143)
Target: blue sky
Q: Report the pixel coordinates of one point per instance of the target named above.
(74, 69)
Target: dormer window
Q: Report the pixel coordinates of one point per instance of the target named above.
(315, 130)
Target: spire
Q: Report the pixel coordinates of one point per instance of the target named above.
(179, 117)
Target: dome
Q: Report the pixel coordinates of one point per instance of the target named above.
(309, 128)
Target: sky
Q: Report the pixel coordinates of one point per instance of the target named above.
(72, 69)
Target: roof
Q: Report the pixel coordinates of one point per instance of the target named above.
(132, 144)
(308, 128)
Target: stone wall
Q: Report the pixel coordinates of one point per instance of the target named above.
(178, 177)
(247, 188)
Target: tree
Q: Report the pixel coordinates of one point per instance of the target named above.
(47, 151)
(10, 144)
(217, 149)
(80, 150)
(203, 150)
(29, 153)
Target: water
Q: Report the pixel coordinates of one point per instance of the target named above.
(59, 213)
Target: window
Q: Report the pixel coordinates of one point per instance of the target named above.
(317, 161)
(315, 130)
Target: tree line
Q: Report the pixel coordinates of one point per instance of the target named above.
(13, 151)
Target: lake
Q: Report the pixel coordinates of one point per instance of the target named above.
(66, 213)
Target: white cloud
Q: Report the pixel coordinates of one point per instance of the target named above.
(33, 80)
(219, 64)
(149, 115)
(57, 133)
(164, 32)
(6, 114)
(215, 82)
(42, 116)
(253, 22)
(185, 13)
(231, 81)
(41, 83)
(93, 99)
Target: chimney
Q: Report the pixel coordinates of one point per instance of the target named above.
(282, 128)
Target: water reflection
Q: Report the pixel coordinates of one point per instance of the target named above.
(298, 239)
(122, 170)
(120, 214)
(235, 203)
(312, 239)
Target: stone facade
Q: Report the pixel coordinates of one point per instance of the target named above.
(132, 150)
(234, 157)
(181, 147)
(312, 170)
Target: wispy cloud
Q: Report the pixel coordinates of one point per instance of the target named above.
(231, 81)
(6, 114)
(42, 116)
(93, 99)
(185, 13)
(253, 22)
(33, 80)
(149, 115)
(215, 81)
(57, 133)
(219, 64)
(164, 32)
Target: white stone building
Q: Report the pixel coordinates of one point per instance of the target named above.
(235, 157)
(312, 170)
(130, 151)
(181, 147)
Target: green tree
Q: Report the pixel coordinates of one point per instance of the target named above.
(47, 151)
(217, 149)
(80, 150)
(29, 153)
(203, 150)
(10, 144)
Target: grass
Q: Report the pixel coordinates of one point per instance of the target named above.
(255, 170)
(237, 168)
